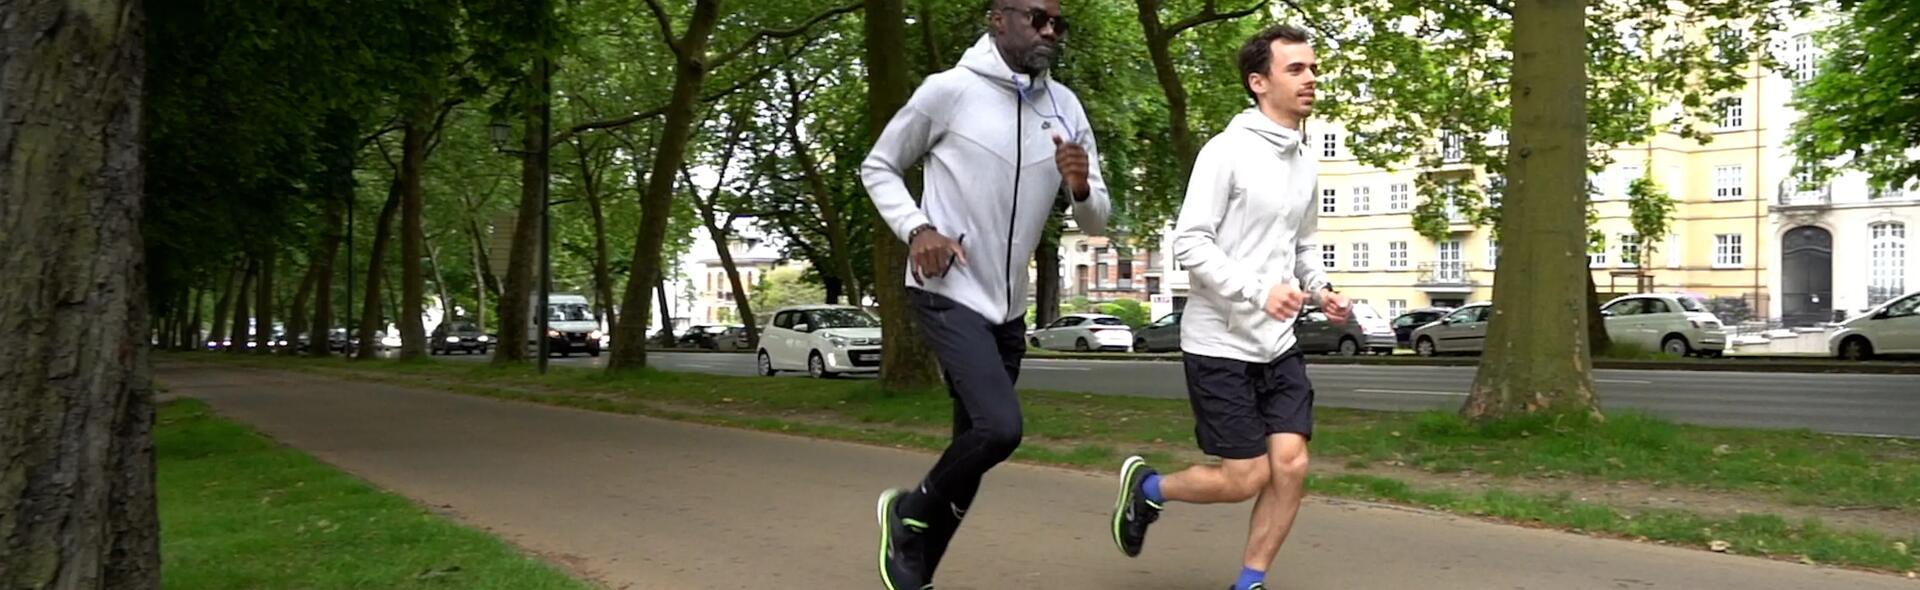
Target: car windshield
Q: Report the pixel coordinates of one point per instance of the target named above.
(1108, 322)
(463, 327)
(716, 329)
(843, 318)
(1692, 304)
(569, 312)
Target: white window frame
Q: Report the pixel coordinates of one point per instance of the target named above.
(1397, 255)
(1623, 178)
(1733, 112)
(1803, 58)
(1887, 262)
(1674, 254)
(1729, 182)
(1597, 256)
(1362, 200)
(1399, 197)
(1630, 244)
(1493, 253)
(1362, 255)
(1729, 251)
(1395, 307)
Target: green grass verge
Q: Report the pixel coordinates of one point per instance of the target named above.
(238, 511)
(1094, 431)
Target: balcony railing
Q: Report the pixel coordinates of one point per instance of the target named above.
(1445, 274)
(1792, 194)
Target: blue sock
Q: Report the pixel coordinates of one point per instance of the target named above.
(1249, 577)
(1150, 487)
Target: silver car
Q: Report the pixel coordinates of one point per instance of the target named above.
(1462, 332)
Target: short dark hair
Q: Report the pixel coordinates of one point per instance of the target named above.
(1256, 56)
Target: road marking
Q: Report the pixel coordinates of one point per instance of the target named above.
(1624, 381)
(1412, 392)
(1079, 369)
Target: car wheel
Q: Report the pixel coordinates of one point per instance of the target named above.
(594, 352)
(1856, 348)
(1425, 348)
(1676, 346)
(1349, 347)
(1081, 345)
(1140, 345)
(817, 366)
(766, 365)
(1033, 342)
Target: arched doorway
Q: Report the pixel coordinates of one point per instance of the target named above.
(1806, 276)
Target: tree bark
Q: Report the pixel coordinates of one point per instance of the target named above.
(339, 197)
(1600, 343)
(1046, 282)
(741, 300)
(517, 301)
(689, 72)
(482, 263)
(479, 292)
(191, 340)
(413, 159)
(370, 316)
(239, 332)
(666, 313)
(602, 276)
(263, 305)
(297, 315)
(1161, 56)
(439, 283)
(838, 253)
(1537, 359)
(907, 364)
(76, 447)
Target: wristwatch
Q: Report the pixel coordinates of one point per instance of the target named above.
(916, 232)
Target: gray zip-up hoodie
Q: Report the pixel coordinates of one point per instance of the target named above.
(1247, 225)
(990, 173)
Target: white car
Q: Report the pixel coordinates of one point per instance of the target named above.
(1379, 329)
(1084, 332)
(1892, 328)
(1679, 325)
(823, 340)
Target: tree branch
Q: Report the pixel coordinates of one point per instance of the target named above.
(390, 128)
(1209, 15)
(1324, 33)
(666, 28)
(1503, 8)
(735, 88)
(794, 31)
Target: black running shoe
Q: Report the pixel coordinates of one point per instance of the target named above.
(1132, 512)
(900, 545)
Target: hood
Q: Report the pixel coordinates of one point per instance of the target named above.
(852, 332)
(984, 59)
(1285, 141)
(573, 326)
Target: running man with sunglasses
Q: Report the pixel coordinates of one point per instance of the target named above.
(1001, 142)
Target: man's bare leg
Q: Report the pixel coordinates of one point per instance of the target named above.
(1233, 480)
(1279, 503)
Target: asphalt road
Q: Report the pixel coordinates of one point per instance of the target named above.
(639, 503)
(1881, 405)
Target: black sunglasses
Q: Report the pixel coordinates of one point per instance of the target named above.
(1040, 19)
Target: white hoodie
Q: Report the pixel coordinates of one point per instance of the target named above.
(973, 127)
(1247, 225)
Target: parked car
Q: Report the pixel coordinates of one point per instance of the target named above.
(823, 340)
(1404, 325)
(1679, 325)
(1464, 331)
(1162, 335)
(1892, 328)
(1377, 328)
(1317, 334)
(715, 337)
(458, 335)
(1084, 332)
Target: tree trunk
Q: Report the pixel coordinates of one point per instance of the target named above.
(76, 444)
(1046, 280)
(479, 293)
(297, 315)
(741, 300)
(263, 305)
(1536, 358)
(370, 316)
(516, 303)
(225, 303)
(1161, 56)
(239, 332)
(1600, 343)
(413, 160)
(907, 363)
(482, 263)
(838, 253)
(689, 72)
(439, 283)
(602, 276)
(191, 340)
(929, 41)
(339, 198)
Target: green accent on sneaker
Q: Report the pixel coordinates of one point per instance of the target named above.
(914, 524)
(1127, 469)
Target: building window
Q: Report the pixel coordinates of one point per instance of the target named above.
(1362, 199)
(1395, 307)
(1362, 256)
(1453, 147)
(1330, 146)
(1452, 267)
(1329, 256)
(1329, 201)
(1624, 177)
(1729, 182)
(1733, 112)
(1597, 254)
(1493, 253)
(1889, 264)
(1728, 252)
(1629, 250)
(1396, 255)
(1099, 275)
(1126, 273)
(1803, 58)
(1673, 251)
(1399, 197)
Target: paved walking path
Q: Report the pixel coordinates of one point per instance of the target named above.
(659, 505)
